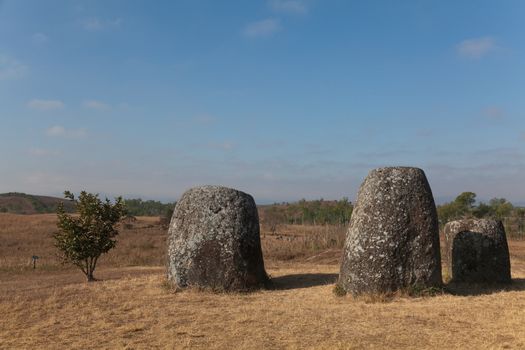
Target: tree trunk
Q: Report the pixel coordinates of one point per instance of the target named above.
(91, 263)
(90, 277)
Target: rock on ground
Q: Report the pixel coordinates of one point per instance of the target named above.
(477, 251)
(393, 239)
(214, 241)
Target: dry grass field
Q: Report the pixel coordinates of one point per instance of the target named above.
(131, 308)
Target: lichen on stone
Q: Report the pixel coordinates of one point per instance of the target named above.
(477, 251)
(214, 241)
(393, 240)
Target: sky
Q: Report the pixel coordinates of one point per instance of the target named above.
(283, 99)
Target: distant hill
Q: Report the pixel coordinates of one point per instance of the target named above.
(21, 203)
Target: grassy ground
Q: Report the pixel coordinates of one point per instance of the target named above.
(143, 244)
(52, 306)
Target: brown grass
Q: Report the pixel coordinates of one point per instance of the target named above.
(131, 308)
(23, 236)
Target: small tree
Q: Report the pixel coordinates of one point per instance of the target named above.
(501, 208)
(81, 239)
(461, 207)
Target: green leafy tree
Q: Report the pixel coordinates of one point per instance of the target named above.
(168, 210)
(501, 208)
(309, 212)
(81, 239)
(447, 212)
(462, 206)
(138, 207)
(482, 210)
(465, 201)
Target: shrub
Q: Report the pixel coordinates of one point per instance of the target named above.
(82, 239)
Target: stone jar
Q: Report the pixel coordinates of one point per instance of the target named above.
(392, 242)
(477, 251)
(214, 241)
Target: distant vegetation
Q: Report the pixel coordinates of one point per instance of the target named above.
(303, 212)
(138, 207)
(315, 212)
(321, 212)
(21, 203)
(497, 208)
(464, 206)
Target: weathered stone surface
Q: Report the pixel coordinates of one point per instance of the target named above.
(477, 251)
(393, 239)
(214, 242)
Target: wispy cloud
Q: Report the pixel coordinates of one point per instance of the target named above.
(98, 105)
(95, 24)
(226, 146)
(40, 38)
(45, 105)
(494, 113)
(262, 29)
(41, 178)
(42, 152)
(425, 132)
(296, 7)
(11, 68)
(60, 131)
(476, 47)
(204, 119)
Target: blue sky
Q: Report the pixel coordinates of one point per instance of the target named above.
(283, 99)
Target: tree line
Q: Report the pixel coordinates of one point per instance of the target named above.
(338, 212)
(139, 207)
(315, 212)
(464, 206)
